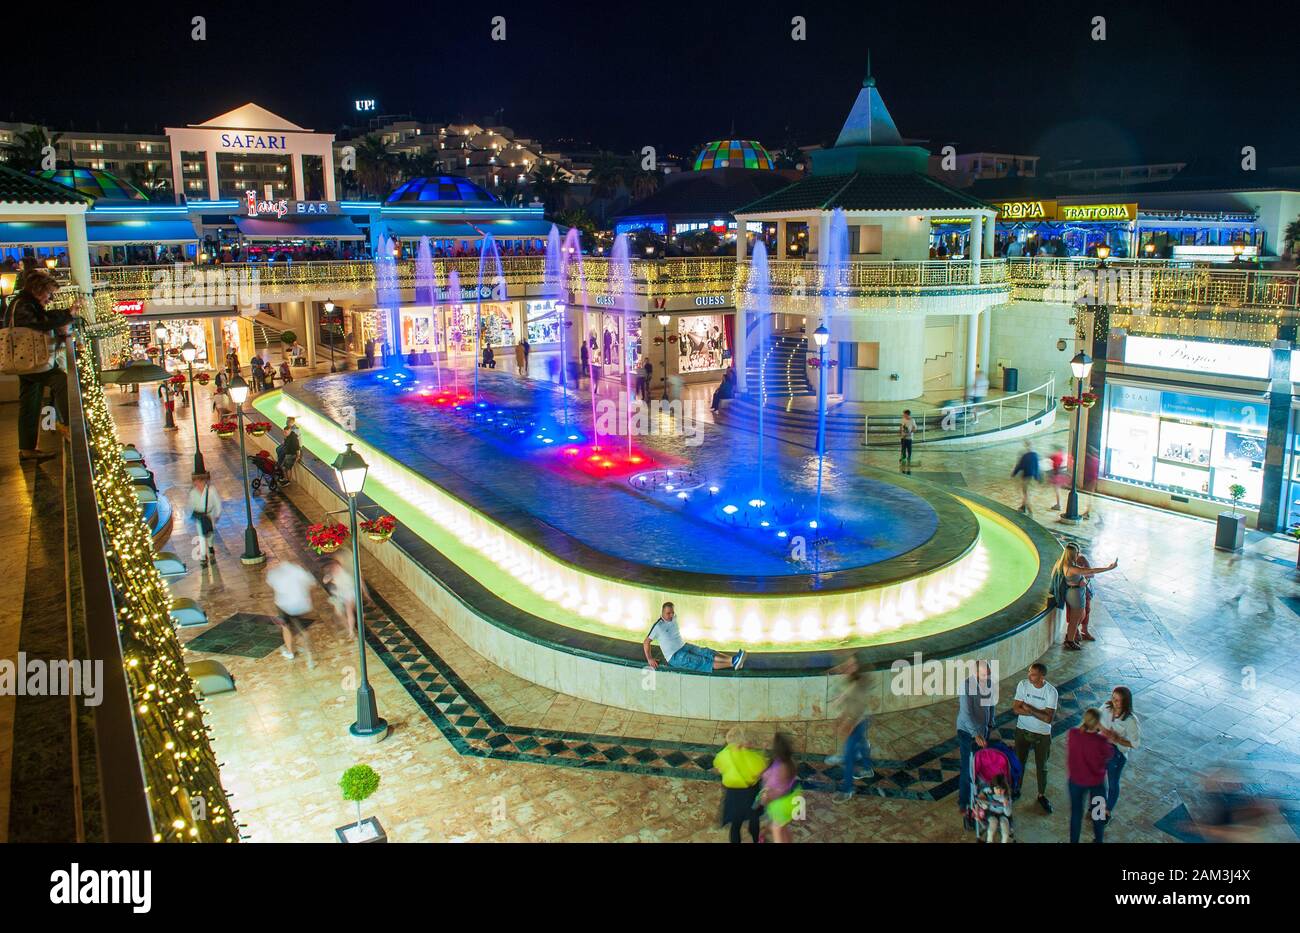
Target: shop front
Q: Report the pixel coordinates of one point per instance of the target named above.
(432, 330)
(1053, 228)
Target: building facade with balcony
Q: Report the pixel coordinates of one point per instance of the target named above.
(893, 313)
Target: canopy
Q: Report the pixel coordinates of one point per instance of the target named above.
(105, 234)
(516, 229)
(409, 229)
(316, 228)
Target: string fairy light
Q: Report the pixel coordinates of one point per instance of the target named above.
(187, 802)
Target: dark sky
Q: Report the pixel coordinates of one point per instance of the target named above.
(1171, 80)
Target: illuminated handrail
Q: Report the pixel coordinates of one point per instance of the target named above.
(958, 420)
(1161, 282)
(854, 276)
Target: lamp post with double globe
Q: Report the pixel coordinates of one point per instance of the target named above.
(1081, 367)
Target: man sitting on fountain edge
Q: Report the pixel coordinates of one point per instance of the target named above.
(682, 655)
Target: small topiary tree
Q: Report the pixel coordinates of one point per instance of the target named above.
(358, 783)
(1238, 492)
(287, 339)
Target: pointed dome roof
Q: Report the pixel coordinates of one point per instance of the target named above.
(95, 183)
(869, 122)
(733, 153)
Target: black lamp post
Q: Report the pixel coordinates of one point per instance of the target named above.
(351, 469)
(188, 352)
(238, 390)
(1081, 367)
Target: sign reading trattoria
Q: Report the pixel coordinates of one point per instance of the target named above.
(1116, 212)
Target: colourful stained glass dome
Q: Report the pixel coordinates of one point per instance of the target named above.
(97, 183)
(733, 153)
(440, 188)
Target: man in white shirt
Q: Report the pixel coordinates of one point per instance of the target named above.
(292, 586)
(682, 655)
(1035, 708)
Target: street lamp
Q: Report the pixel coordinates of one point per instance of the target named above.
(1081, 367)
(663, 322)
(821, 336)
(238, 390)
(8, 281)
(188, 352)
(351, 469)
(1103, 253)
(329, 313)
(51, 263)
(1150, 249)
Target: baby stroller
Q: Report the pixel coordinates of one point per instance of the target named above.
(986, 766)
(274, 476)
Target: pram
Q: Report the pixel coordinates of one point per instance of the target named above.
(274, 476)
(985, 767)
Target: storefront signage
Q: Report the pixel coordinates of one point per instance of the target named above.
(471, 293)
(1198, 356)
(1026, 210)
(1113, 212)
(281, 207)
(132, 306)
(364, 106)
(605, 301)
(712, 301)
(252, 141)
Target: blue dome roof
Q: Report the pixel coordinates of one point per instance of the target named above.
(447, 188)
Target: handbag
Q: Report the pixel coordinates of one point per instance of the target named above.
(24, 351)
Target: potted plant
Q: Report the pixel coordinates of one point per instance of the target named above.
(379, 529)
(257, 428)
(225, 428)
(1088, 399)
(359, 782)
(1230, 534)
(327, 538)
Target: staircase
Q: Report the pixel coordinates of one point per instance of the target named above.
(779, 369)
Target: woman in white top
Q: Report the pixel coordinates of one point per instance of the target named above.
(205, 509)
(1125, 732)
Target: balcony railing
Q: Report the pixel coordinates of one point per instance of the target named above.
(787, 276)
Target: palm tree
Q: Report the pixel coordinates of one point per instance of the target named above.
(608, 173)
(511, 194)
(548, 186)
(374, 166)
(1292, 237)
(154, 182)
(27, 152)
(582, 221)
(645, 184)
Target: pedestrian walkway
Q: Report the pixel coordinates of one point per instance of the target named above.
(479, 754)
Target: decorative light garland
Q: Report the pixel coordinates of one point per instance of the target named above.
(182, 780)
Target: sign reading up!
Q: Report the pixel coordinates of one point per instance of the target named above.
(1051, 210)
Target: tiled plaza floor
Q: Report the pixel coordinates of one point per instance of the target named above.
(1207, 641)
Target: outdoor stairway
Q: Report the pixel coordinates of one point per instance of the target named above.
(781, 367)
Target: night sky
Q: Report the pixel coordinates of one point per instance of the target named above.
(1172, 80)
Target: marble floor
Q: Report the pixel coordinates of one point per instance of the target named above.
(1206, 640)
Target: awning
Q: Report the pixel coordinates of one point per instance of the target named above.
(407, 229)
(318, 228)
(117, 233)
(517, 229)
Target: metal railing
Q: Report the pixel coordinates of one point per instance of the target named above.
(789, 276)
(967, 418)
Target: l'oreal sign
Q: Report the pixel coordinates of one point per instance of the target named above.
(252, 141)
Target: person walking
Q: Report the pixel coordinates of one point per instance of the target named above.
(255, 368)
(1028, 471)
(205, 509)
(30, 308)
(292, 586)
(528, 352)
(341, 585)
(585, 357)
(1060, 476)
(1119, 725)
(1075, 578)
(852, 724)
(782, 795)
(1035, 708)
(906, 430)
(681, 654)
(974, 725)
(1088, 755)
(519, 359)
(741, 768)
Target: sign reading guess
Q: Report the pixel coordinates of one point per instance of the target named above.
(131, 306)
